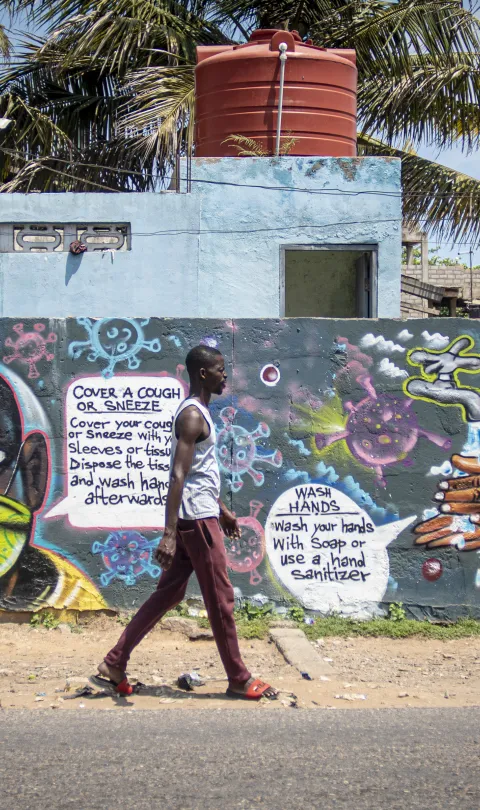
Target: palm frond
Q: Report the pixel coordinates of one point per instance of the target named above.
(247, 147)
(159, 119)
(436, 198)
(432, 100)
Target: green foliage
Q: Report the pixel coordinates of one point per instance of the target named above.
(403, 628)
(433, 259)
(296, 613)
(249, 147)
(252, 623)
(460, 312)
(253, 628)
(396, 612)
(246, 147)
(250, 613)
(124, 618)
(46, 619)
(181, 610)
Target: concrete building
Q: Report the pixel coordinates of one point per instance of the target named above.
(246, 237)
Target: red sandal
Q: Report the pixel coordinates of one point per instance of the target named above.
(123, 688)
(255, 691)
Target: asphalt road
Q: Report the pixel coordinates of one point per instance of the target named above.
(389, 759)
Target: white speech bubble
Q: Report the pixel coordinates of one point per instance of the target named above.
(327, 551)
(117, 453)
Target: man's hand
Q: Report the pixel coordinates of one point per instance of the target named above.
(229, 524)
(166, 549)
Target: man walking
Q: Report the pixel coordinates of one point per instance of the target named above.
(193, 539)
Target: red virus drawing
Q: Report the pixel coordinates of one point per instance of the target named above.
(380, 430)
(30, 347)
(245, 555)
(432, 569)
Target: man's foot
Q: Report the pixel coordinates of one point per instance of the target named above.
(113, 679)
(253, 689)
(114, 674)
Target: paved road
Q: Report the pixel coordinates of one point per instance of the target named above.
(390, 759)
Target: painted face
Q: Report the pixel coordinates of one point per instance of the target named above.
(15, 521)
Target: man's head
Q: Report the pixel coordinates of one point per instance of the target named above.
(206, 368)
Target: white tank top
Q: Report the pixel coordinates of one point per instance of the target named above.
(201, 490)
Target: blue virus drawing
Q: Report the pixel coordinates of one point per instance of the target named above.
(238, 451)
(116, 340)
(127, 555)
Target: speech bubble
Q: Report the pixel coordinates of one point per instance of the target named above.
(117, 451)
(328, 552)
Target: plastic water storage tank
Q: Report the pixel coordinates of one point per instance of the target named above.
(237, 93)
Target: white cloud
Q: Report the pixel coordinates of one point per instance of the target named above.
(404, 335)
(369, 341)
(435, 341)
(391, 370)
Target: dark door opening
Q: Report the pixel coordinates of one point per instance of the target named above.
(329, 282)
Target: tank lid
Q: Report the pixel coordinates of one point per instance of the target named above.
(265, 34)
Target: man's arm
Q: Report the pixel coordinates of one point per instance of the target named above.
(189, 426)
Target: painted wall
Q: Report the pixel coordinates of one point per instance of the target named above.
(214, 252)
(349, 450)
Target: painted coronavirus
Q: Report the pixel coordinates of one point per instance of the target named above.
(238, 451)
(127, 556)
(381, 429)
(245, 554)
(114, 340)
(30, 347)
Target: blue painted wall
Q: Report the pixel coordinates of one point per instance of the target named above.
(214, 252)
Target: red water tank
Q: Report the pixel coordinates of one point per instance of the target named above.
(237, 93)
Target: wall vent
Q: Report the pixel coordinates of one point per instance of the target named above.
(43, 237)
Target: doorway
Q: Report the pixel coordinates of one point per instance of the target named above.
(329, 281)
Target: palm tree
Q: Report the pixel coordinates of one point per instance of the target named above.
(105, 100)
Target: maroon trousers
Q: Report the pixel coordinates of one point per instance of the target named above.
(200, 548)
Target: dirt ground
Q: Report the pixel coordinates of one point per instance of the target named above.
(38, 665)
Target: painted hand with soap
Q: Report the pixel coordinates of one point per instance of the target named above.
(458, 497)
(458, 501)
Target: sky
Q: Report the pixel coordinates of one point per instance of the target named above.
(454, 157)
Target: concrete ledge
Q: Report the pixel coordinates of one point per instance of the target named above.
(297, 650)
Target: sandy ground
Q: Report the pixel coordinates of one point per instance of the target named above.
(37, 665)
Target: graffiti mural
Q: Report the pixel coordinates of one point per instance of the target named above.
(379, 430)
(239, 450)
(31, 576)
(30, 347)
(246, 554)
(126, 556)
(114, 340)
(350, 450)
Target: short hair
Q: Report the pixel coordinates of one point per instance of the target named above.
(199, 357)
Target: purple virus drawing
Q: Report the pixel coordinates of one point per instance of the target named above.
(114, 340)
(127, 555)
(380, 430)
(238, 451)
(30, 347)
